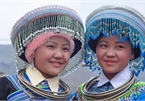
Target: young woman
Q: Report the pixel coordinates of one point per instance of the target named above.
(114, 44)
(48, 43)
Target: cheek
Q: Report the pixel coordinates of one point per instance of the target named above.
(125, 56)
(99, 53)
(42, 54)
(67, 56)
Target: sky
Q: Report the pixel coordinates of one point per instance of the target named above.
(13, 10)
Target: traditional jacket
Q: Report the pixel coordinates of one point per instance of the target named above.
(135, 93)
(123, 87)
(12, 90)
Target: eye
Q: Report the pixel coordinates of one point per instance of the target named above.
(50, 46)
(120, 46)
(66, 49)
(103, 45)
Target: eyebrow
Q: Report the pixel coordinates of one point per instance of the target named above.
(56, 43)
(107, 42)
(120, 42)
(102, 41)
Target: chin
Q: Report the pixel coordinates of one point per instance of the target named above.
(55, 74)
(110, 71)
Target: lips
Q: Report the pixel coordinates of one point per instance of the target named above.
(110, 62)
(56, 63)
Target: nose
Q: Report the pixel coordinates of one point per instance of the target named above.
(58, 54)
(110, 52)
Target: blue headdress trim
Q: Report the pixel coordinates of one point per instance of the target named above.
(124, 22)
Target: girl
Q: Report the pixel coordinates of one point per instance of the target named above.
(48, 44)
(114, 44)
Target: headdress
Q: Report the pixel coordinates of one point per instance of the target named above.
(42, 21)
(125, 22)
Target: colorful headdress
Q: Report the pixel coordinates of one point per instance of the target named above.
(42, 21)
(125, 22)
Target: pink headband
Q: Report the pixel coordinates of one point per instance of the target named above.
(31, 47)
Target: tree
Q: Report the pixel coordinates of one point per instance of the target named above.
(1, 74)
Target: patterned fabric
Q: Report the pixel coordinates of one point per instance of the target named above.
(40, 21)
(135, 93)
(20, 94)
(125, 22)
(107, 86)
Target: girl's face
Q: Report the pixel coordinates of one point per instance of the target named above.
(113, 55)
(52, 57)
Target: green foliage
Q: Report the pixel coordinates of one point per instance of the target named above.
(2, 73)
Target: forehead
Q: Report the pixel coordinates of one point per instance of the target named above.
(58, 40)
(109, 37)
(112, 38)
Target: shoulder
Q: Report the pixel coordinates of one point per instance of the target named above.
(140, 90)
(139, 84)
(6, 87)
(7, 79)
(80, 88)
(136, 91)
(4, 80)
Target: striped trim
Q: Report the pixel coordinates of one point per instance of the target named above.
(14, 81)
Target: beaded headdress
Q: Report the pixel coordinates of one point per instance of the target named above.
(125, 22)
(44, 20)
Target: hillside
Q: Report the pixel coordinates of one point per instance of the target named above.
(7, 65)
(7, 61)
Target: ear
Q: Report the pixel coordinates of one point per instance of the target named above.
(32, 55)
(132, 55)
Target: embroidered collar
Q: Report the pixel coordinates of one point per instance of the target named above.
(32, 73)
(117, 80)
